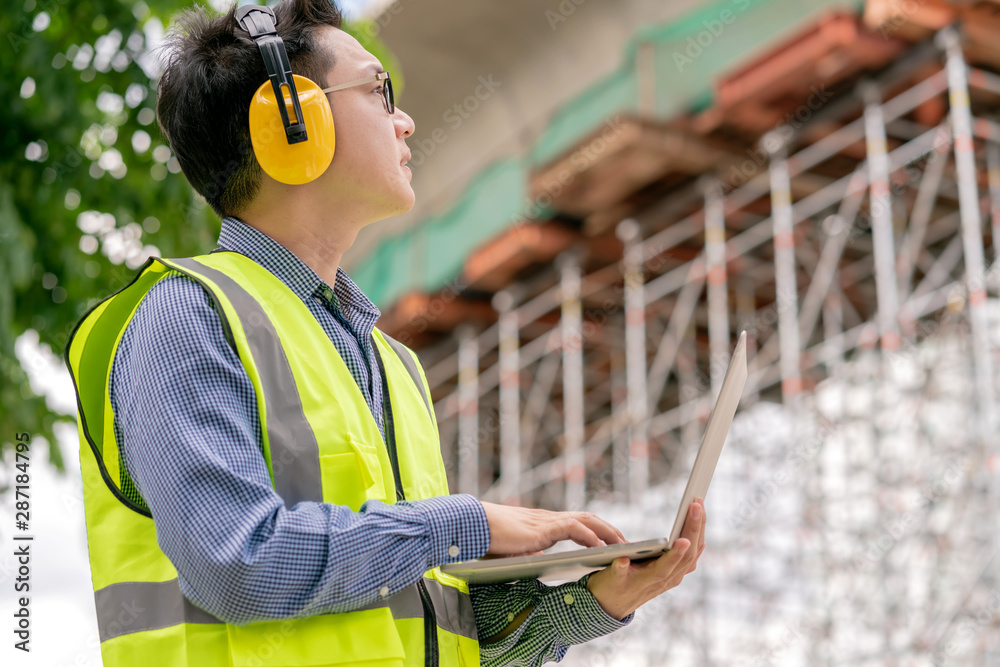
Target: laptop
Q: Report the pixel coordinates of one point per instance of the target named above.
(571, 565)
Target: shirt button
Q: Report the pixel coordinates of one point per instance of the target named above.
(453, 551)
(510, 617)
(568, 598)
(384, 591)
(328, 293)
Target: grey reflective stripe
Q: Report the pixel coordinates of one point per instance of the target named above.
(294, 451)
(404, 604)
(411, 367)
(136, 606)
(453, 609)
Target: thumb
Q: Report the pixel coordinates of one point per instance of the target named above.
(621, 566)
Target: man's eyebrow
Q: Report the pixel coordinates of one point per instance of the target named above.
(373, 69)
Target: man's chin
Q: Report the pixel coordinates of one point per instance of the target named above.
(403, 204)
(407, 200)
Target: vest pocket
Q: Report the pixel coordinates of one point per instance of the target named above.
(351, 477)
(328, 639)
(345, 479)
(371, 462)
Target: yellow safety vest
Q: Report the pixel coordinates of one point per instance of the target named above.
(321, 443)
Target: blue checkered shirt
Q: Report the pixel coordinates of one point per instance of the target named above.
(188, 426)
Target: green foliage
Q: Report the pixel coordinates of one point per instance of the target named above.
(366, 32)
(88, 187)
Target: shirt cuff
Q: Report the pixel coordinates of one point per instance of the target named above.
(458, 528)
(576, 614)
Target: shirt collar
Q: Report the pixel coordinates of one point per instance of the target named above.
(240, 237)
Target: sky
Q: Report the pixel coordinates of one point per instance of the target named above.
(61, 607)
(356, 8)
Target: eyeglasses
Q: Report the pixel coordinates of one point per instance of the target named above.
(387, 97)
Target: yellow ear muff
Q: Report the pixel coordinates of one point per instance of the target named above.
(299, 163)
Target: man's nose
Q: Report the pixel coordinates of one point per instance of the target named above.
(404, 124)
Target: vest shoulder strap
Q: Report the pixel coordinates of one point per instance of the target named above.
(404, 355)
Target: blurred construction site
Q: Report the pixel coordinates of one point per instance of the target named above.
(610, 192)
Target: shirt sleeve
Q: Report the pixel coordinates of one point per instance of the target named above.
(562, 616)
(189, 431)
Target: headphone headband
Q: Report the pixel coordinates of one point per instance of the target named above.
(259, 22)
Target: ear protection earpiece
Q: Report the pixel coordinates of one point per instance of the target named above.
(293, 141)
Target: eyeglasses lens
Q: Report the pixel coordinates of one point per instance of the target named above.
(390, 100)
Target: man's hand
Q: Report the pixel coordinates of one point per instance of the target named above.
(623, 587)
(518, 530)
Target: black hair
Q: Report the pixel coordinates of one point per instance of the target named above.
(211, 72)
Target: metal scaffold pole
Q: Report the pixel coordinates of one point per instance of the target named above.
(785, 284)
(619, 408)
(635, 359)
(880, 206)
(718, 291)
(571, 322)
(972, 232)
(993, 177)
(468, 411)
(833, 327)
(923, 207)
(690, 391)
(510, 396)
(746, 307)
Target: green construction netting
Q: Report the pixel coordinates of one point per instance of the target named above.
(425, 257)
(687, 54)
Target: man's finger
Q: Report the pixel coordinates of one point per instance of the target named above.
(696, 517)
(573, 529)
(704, 522)
(601, 528)
(694, 523)
(666, 565)
(621, 566)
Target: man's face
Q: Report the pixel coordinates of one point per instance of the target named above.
(371, 144)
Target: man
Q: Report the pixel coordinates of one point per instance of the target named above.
(262, 473)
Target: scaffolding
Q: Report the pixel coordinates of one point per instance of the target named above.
(853, 251)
